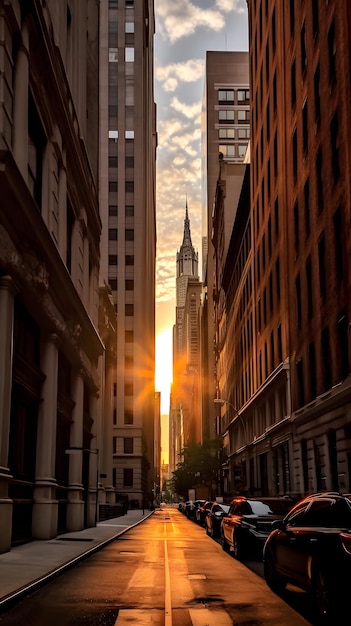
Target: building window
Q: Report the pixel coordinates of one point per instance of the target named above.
(305, 127)
(129, 310)
(277, 278)
(338, 243)
(112, 234)
(112, 259)
(129, 210)
(244, 116)
(319, 176)
(129, 234)
(243, 95)
(114, 417)
(332, 54)
(129, 55)
(294, 150)
(322, 269)
(129, 336)
(36, 145)
(128, 477)
(226, 116)
(309, 288)
(343, 336)
(129, 259)
(326, 358)
(128, 362)
(303, 49)
(128, 445)
(129, 284)
(226, 96)
(312, 367)
(114, 445)
(112, 210)
(113, 186)
(306, 193)
(226, 133)
(128, 417)
(227, 150)
(243, 133)
(128, 389)
(112, 161)
(113, 55)
(334, 138)
(298, 301)
(113, 283)
(300, 382)
(129, 186)
(317, 100)
(296, 226)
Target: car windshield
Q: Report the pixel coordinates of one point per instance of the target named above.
(269, 507)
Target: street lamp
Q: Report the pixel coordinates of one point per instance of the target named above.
(77, 450)
(221, 401)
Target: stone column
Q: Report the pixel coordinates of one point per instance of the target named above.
(93, 498)
(62, 210)
(20, 104)
(44, 520)
(75, 508)
(7, 293)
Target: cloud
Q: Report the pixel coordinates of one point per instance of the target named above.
(189, 110)
(230, 5)
(182, 18)
(174, 73)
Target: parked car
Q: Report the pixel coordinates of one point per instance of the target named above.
(202, 511)
(249, 522)
(191, 508)
(311, 548)
(214, 517)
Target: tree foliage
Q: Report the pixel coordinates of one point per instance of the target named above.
(199, 465)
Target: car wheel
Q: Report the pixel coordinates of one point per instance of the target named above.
(224, 544)
(272, 578)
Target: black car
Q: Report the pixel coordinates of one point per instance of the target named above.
(191, 508)
(249, 522)
(214, 518)
(202, 511)
(311, 548)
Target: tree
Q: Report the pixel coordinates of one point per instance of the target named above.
(200, 464)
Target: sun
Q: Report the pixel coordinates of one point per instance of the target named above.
(163, 373)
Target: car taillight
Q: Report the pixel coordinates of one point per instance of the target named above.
(346, 541)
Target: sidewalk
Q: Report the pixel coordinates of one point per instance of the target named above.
(27, 567)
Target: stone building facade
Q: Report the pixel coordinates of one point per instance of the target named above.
(292, 388)
(52, 359)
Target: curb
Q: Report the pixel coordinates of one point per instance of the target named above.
(7, 601)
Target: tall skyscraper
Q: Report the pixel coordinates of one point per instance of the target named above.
(225, 134)
(185, 423)
(127, 183)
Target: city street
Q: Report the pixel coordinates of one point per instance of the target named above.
(166, 571)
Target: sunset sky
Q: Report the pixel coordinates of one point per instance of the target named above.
(185, 30)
